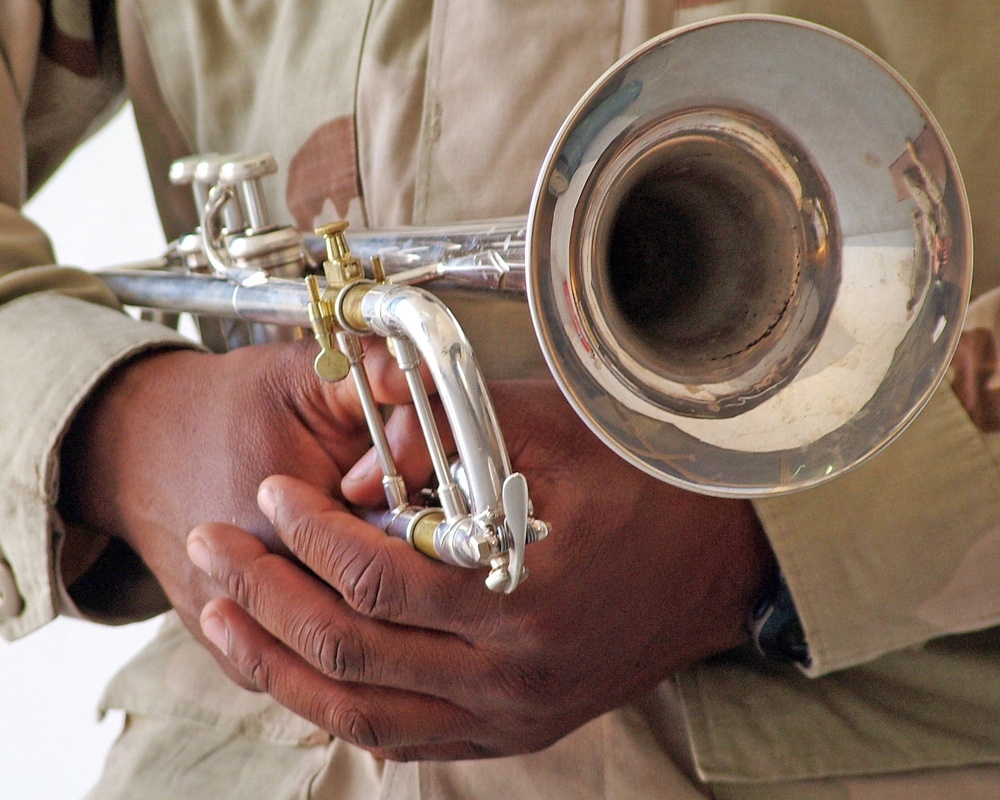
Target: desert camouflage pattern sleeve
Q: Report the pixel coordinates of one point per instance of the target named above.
(60, 79)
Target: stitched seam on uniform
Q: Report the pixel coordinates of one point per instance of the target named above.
(430, 119)
(362, 49)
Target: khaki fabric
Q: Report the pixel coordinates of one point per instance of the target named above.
(54, 90)
(401, 111)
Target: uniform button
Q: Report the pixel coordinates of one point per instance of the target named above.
(10, 601)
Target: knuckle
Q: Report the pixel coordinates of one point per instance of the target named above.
(357, 727)
(335, 652)
(308, 534)
(372, 589)
(331, 654)
(257, 669)
(242, 581)
(336, 656)
(362, 731)
(239, 586)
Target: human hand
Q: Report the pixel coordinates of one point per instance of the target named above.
(414, 659)
(172, 439)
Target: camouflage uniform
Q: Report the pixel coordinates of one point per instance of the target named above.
(412, 111)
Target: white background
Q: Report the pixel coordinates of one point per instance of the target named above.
(99, 211)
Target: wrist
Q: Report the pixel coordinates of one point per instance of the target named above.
(108, 437)
(737, 564)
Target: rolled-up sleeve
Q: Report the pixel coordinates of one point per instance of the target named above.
(900, 550)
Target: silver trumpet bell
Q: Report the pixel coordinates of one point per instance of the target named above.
(749, 256)
(747, 259)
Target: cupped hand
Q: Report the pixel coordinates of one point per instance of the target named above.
(172, 439)
(415, 659)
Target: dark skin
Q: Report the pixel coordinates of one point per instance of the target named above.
(356, 631)
(172, 439)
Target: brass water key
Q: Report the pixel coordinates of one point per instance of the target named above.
(331, 365)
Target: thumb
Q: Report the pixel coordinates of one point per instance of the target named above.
(281, 496)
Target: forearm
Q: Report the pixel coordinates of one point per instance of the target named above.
(63, 332)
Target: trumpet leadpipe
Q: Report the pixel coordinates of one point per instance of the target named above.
(476, 256)
(273, 301)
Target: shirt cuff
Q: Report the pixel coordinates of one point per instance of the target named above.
(56, 349)
(899, 550)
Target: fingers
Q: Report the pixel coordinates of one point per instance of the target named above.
(188, 589)
(538, 424)
(377, 575)
(382, 720)
(398, 690)
(334, 411)
(340, 639)
(387, 380)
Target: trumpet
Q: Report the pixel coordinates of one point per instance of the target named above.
(747, 260)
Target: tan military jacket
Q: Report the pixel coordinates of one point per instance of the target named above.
(394, 112)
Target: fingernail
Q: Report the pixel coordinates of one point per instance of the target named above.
(199, 553)
(216, 632)
(266, 500)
